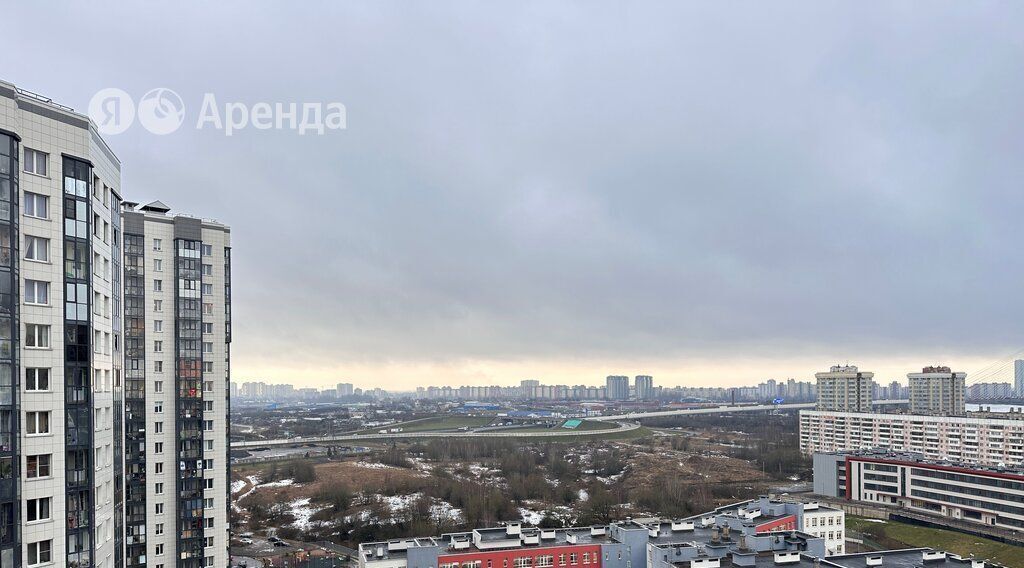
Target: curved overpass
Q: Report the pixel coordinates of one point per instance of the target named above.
(318, 440)
(721, 410)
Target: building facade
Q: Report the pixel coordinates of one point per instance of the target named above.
(60, 338)
(617, 387)
(989, 440)
(845, 388)
(987, 496)
(937, 390)
(644, 386)
(178, 318)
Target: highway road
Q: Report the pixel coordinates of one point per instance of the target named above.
(720, 410)
(318, 440)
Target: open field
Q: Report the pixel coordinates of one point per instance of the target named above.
(892, 534)
(436, 424)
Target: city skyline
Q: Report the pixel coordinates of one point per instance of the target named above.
(513, 197)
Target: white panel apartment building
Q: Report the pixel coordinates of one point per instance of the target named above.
(177, 313)
(992, 440)
(60, 344)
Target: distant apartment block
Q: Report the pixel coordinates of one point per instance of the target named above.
(993, 440)
(845, 388)
(987, 496)
(345, 390)
(644, 387)
(937, 390)
(617, 387)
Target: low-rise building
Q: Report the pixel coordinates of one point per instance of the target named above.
(989, 496)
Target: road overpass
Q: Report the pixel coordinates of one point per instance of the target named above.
(350, 438)
(724, 409)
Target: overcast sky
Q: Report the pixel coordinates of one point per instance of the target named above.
(713, 193)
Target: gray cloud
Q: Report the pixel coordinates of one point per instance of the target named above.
(543, 180)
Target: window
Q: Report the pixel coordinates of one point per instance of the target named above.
(159, 529)
(207, 328)
(158, 407)
(207, 250)
(36, 162)
(37, 466)
(158, 285)
(37, 248)
(159, 550)
(207, 270)
(207, 483)
(159, 509)
(159, 488)
(37, 336)
(158, 366)
(156, 244)
(158, 386)
(36, 205)
(208, 309)
(207, 347)
(158, 346)
(158, 427)
(39, 552)
(37, 379)
(207, 366)
(158, 265)
(158, 325)
(207, 464)
(158, 448)
(37, 292)
(207, 289)
(38, 509)
(158, 305)
(37, 423)
(159, 467)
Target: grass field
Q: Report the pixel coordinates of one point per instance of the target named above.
(436, 423)
(901, 535)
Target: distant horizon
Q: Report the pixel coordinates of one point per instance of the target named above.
(977, 369)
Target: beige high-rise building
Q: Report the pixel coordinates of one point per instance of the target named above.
(937, 390)
(845, 388)
(60, 338)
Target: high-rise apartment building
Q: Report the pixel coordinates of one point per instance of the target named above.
(617, 387)
(845, 389)
(177, 293)
(937, 390)
(345, 389)
(644, 386)
(60, 338)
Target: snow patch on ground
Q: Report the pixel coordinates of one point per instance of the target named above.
(374, 465)
(610, 479)
(281, 483)
(879, 521)
(302, 511)
(237, 485)
(582, 495)
(531, 516)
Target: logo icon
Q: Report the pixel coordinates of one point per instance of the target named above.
(161, 111)
(113, 110)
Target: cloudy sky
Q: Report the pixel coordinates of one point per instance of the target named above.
(713, 193)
